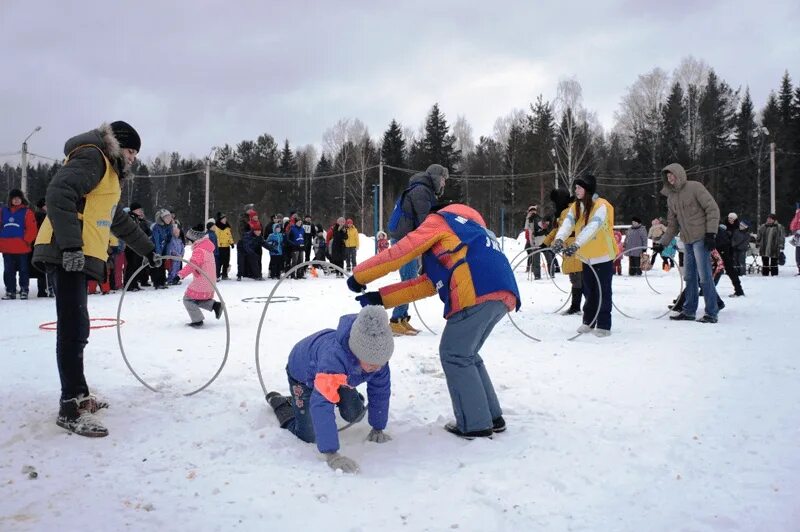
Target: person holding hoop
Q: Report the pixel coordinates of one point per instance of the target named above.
(592, 219)
(72, 243)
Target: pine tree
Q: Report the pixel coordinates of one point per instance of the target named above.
(393, 151)
(287, 166)
(674, 116)
(438, 147)
(716, 112)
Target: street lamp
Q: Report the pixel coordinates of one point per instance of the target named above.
(762, 132)
(24, 181)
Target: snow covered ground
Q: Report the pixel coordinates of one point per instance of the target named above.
(663, 426)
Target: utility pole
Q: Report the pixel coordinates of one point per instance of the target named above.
(771, 178)
(555, 175)
(208, 183)
(24, 180)
(380, 196)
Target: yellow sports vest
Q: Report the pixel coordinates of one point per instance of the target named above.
(98, 212)
(602, 243)
(569, 264)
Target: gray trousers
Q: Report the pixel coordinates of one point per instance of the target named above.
(474, 400)
(193, 307)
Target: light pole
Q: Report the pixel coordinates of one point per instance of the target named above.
(24, 181)
(208, 179)
(762, 132)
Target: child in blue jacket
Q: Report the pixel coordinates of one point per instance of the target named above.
(324, 370)
(274, 245)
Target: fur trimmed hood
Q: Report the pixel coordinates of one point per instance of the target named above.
(102, 137)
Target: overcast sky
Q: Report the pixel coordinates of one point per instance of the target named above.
(208, 73)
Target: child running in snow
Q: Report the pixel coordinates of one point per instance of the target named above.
(324, 370)
(200, 292)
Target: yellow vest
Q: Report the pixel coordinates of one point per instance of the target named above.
(98, 212)
(569, 264)
(602, 243)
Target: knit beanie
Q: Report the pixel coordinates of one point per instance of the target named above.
(126, 135)
(195, 233)
(588, 182)
(371, 338)
(732, 215)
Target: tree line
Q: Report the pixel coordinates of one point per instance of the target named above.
(690, 116)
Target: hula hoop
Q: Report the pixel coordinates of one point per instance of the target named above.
(599, 288)
(533, 252)
(264, 299)
(264, 315)
(51, 325)
(212, 282)
(680, 277)
(414, 303)
(529, 253)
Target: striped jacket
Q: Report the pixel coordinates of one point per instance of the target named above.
(435, 235)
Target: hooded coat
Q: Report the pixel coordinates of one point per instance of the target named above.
(692, 209)
(66, 195)
(418, 202)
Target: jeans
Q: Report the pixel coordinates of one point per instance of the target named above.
(698, 263)
(350, 258)
(474, 400)
(13, 263)
(593, 295)
(407, 271)
(351, 407)
(72, 331)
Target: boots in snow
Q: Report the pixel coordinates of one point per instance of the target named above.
(575, 306)
(282, 407)
(75, 416)
(411, 331)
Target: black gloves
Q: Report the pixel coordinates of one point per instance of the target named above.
(153, 260)
(571, 250)
(710, 241)
(354, 285)
(370, 298)
(557, 246)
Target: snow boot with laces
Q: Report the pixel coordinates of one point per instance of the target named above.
(79, 419)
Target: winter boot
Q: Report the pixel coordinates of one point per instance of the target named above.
(575, 306)
(397, 327)
(499, 424)
(23, 294)
(217, 307)
(79, 420)
(282, 406)
(91, 403)
(10, 295)
(452, 428)
(411, 331)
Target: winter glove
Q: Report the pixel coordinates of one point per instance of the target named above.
(571, 250)
(354, 285)
(378, 436)
(153, 260)
(710, 241)
(73, 260)
(370, 298)
(337, 461)
(557, 246)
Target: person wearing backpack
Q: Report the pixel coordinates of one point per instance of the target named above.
(414, 204)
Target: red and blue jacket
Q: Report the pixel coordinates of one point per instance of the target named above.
(461, 259)
(324, 363)
(18, 230)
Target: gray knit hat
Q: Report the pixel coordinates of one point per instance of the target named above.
(371, 338)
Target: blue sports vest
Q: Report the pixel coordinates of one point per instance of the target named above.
(13, 223)
(488, 265)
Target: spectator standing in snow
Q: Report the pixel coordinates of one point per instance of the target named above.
(351, 245)
(771, 239)
(175, 248)
(794, 227)
(275, 246)
(16, 237)
(635, 245)
(571, 266)
(324, 370)
(225, 242)
(692, 209)
(654, 234)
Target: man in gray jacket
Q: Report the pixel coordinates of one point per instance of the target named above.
(693, 210)
(424, 189)
(82, 213)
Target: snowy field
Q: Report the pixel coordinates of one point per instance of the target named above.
(664, 426)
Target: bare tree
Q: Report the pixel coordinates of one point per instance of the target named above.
(306, 162)
(692, 74)
(573, 134)
(503, 125)
(364, 153)
(335, 140)
(465, 143)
